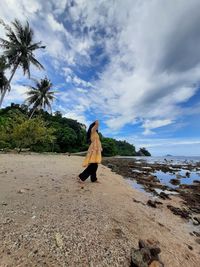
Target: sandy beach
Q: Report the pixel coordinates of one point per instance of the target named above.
(48, 219)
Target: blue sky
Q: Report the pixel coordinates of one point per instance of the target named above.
(132, 64)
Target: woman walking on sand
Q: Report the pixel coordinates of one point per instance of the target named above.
(93, 157)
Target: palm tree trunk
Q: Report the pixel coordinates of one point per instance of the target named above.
(34, 109)
(38, 106)
(6, 87)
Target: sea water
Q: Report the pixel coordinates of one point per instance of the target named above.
(167, 159)
(165, 177)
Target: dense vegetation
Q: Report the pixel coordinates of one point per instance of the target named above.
(50, 133)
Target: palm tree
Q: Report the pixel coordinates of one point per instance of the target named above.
(3, 79)
(40, 96)
(19, 49)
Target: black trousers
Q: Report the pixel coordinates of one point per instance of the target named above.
(89, 171)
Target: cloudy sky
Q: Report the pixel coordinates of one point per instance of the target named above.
(132, 64)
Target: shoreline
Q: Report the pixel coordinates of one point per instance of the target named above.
(156, 178)
(42, 206)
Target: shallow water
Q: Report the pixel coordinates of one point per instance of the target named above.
(166, 177)
(133, 183)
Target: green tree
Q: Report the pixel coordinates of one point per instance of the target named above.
(125, 149)
(40, 96)
(8, 122)
(143, 152)
(4, 138)
(66, 138)
(109, 147)
(32, 132)
(19, 50)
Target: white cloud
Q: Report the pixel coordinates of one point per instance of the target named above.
(153, 124)
(16, 95)
(67, 71)
(76, 113)
(74, 105)
(54, 25)
(76, 116)
(145, 78)
(81, 90)
(152, 50)
(164, 146)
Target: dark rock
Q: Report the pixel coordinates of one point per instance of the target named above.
(187, 174)
(194, 221)
(196, 181)
(155, 251)
(142, 243)
(164, 195)
(178, 176)
(197, 219)
(164, 168)
(181, 212)
(151, 203)
(35, 251)
(195, 209)
(196, 234)
(110, 165)
(140, 257)
(175, 181)
(152, 178)
(146, 255)
(138, 201)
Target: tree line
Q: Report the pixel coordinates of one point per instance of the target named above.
(52, 133)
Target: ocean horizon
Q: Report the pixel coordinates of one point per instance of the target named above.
(165, 159)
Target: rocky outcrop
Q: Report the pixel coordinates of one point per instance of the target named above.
(184, 213)
(143, 173)
(147, 255)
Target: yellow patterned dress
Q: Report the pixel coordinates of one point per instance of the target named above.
(94, 150)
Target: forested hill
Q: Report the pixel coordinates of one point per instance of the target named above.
(52, 133)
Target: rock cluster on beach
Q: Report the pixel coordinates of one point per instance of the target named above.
(147, 255)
